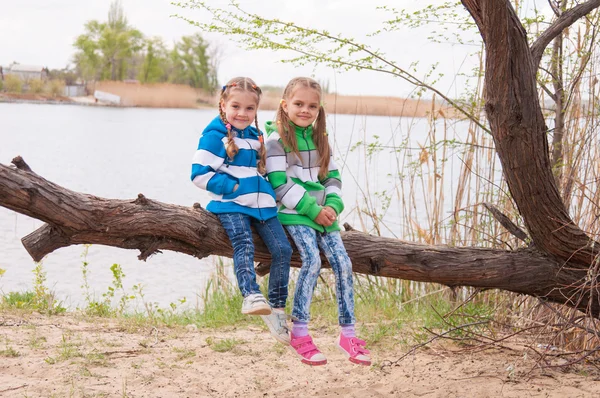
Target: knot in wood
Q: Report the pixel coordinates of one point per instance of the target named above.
(376, 263)
(20, 164)
(141, 200)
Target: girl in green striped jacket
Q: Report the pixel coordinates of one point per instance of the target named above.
(307, 185)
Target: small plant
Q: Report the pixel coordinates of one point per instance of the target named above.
(43, 299)
(40, 299)
(223, 345)
(37, 342)
(104, 308)
(67, 349)
(19, 300)
(184, 353)
(9, 351)
(96, 358)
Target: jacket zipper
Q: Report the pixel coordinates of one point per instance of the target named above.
(310, 169)
(257, 184)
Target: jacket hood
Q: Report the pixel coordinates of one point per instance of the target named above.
(270, 127)
(217, 126)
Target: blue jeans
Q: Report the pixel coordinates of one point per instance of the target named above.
(238, 228)
(308, 241)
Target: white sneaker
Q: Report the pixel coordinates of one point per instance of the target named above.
(277, 323)
(255, 304)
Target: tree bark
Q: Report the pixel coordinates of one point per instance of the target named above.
(559, 111)
(151, 226)
(520, 135)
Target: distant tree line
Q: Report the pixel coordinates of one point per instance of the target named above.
(114, 50)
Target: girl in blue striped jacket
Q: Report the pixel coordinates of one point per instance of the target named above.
(230, 164)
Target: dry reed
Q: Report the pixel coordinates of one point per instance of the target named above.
(159, 95)
(370, 105)
(164, 95)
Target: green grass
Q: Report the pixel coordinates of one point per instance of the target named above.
(41, 299)
(67, 349)
(19, 300)
(223, 345)
(389, 312)
(9, 352)
(184, 353)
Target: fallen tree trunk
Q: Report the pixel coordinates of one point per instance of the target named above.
(151, 226)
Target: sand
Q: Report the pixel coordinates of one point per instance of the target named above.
(68, 356)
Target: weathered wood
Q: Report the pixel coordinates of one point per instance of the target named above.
(519, 133)
(520, 136)
(506, 222)
(151, 226)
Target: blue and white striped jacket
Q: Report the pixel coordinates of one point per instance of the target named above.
(214, 171)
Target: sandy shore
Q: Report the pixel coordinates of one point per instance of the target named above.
(64, 356)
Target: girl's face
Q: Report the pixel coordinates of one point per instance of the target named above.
(240, 108)
(302, 106)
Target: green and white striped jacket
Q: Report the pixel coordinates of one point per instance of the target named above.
(300, 193)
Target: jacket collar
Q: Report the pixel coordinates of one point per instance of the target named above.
(302, 131)
(218, 126)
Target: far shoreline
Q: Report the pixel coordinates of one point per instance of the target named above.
(334, 104)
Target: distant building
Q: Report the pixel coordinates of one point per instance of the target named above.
(26, 72)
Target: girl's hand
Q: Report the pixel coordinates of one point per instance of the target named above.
(324, 218)
(332, 213)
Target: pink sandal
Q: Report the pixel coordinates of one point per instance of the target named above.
(354, 349)
(307, 350)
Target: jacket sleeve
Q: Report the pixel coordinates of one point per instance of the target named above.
(287, 192)
(207, 160)
(333, 187)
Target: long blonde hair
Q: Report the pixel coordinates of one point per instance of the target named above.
(242, 84)
(288, 134)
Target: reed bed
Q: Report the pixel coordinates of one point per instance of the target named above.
(159, 95)
(164, 95)
(370, 105)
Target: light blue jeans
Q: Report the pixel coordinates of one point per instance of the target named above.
(308, 241)
(238, 228)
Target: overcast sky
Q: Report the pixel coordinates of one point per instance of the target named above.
(42, 32)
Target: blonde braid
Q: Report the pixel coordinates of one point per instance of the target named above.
(287, 134)
(244, 84)
(262, 152)
(231, 148)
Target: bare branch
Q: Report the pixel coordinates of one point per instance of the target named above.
(150, 226)
(567, 19)
(506, 222)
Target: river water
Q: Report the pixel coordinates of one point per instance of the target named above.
(118, 153)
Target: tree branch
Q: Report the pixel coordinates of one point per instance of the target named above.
(506, 222)
(566, 19)
(151, 226)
